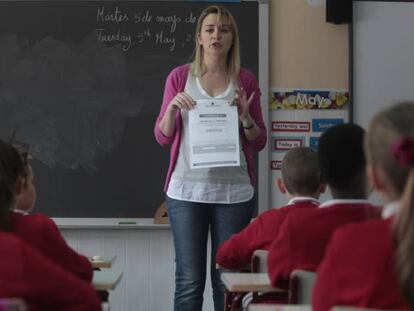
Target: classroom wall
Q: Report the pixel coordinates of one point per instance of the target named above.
(305, 52)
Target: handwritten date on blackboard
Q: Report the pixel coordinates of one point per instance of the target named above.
(162, 30)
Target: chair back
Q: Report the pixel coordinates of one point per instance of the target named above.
(300, 286)
(259, 261)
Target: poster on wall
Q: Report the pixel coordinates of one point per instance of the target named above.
(298, 118)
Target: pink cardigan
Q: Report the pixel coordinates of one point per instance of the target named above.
(175, 83)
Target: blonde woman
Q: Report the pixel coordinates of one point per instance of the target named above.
(215, 199)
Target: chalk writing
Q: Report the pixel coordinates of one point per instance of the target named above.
(148, 30)
(173, 20)
(191, 19)
(141, 36)
(115, 16)
(160, 38)
(117, 37)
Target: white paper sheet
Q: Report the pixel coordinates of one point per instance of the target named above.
(213, 134)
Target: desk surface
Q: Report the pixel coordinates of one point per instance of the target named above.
(275, 307)
(106, 279)
(248, 282)
(102, 261)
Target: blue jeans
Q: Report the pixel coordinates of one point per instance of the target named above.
(190, 223)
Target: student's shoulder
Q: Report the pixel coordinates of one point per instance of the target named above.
(29, 217)
(33, 220)
(373, 229)
(45, 220)
(364, 209)
(279, 210)
(300, 218)
(371, 225)
(304, 213)
(299, 206)
(267, 215)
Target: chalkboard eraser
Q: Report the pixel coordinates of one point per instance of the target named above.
(127, 223)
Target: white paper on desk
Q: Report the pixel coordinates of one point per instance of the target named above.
(213, 134)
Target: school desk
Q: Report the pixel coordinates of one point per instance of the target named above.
(276, 307)
(106, 279)
(102, 261)
(237, 282)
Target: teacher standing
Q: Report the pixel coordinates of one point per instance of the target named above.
(218, 199)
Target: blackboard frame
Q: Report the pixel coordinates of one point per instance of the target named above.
(263, 157)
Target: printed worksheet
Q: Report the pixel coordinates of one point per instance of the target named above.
(213, 134)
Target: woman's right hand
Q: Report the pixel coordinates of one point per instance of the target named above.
(181, 101)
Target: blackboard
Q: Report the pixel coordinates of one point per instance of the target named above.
(81, 84)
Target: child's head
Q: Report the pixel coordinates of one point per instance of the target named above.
(390, 153)
(12, 168)
(300, 173)
(388, 126)
(342, 161)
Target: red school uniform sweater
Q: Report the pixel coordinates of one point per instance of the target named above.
(41, 233)
(304, 235)
(259, 234)
(358, 269)
(26, 273)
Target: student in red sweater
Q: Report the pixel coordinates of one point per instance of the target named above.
(301, 183)
(39, 231)
(371, 264)
(304, 234)
(25, 272)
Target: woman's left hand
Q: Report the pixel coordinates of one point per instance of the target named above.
(243, 104)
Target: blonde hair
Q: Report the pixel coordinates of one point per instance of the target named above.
(197, 67)
(387, 127)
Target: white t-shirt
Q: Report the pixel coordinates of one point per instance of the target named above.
(207, 185)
